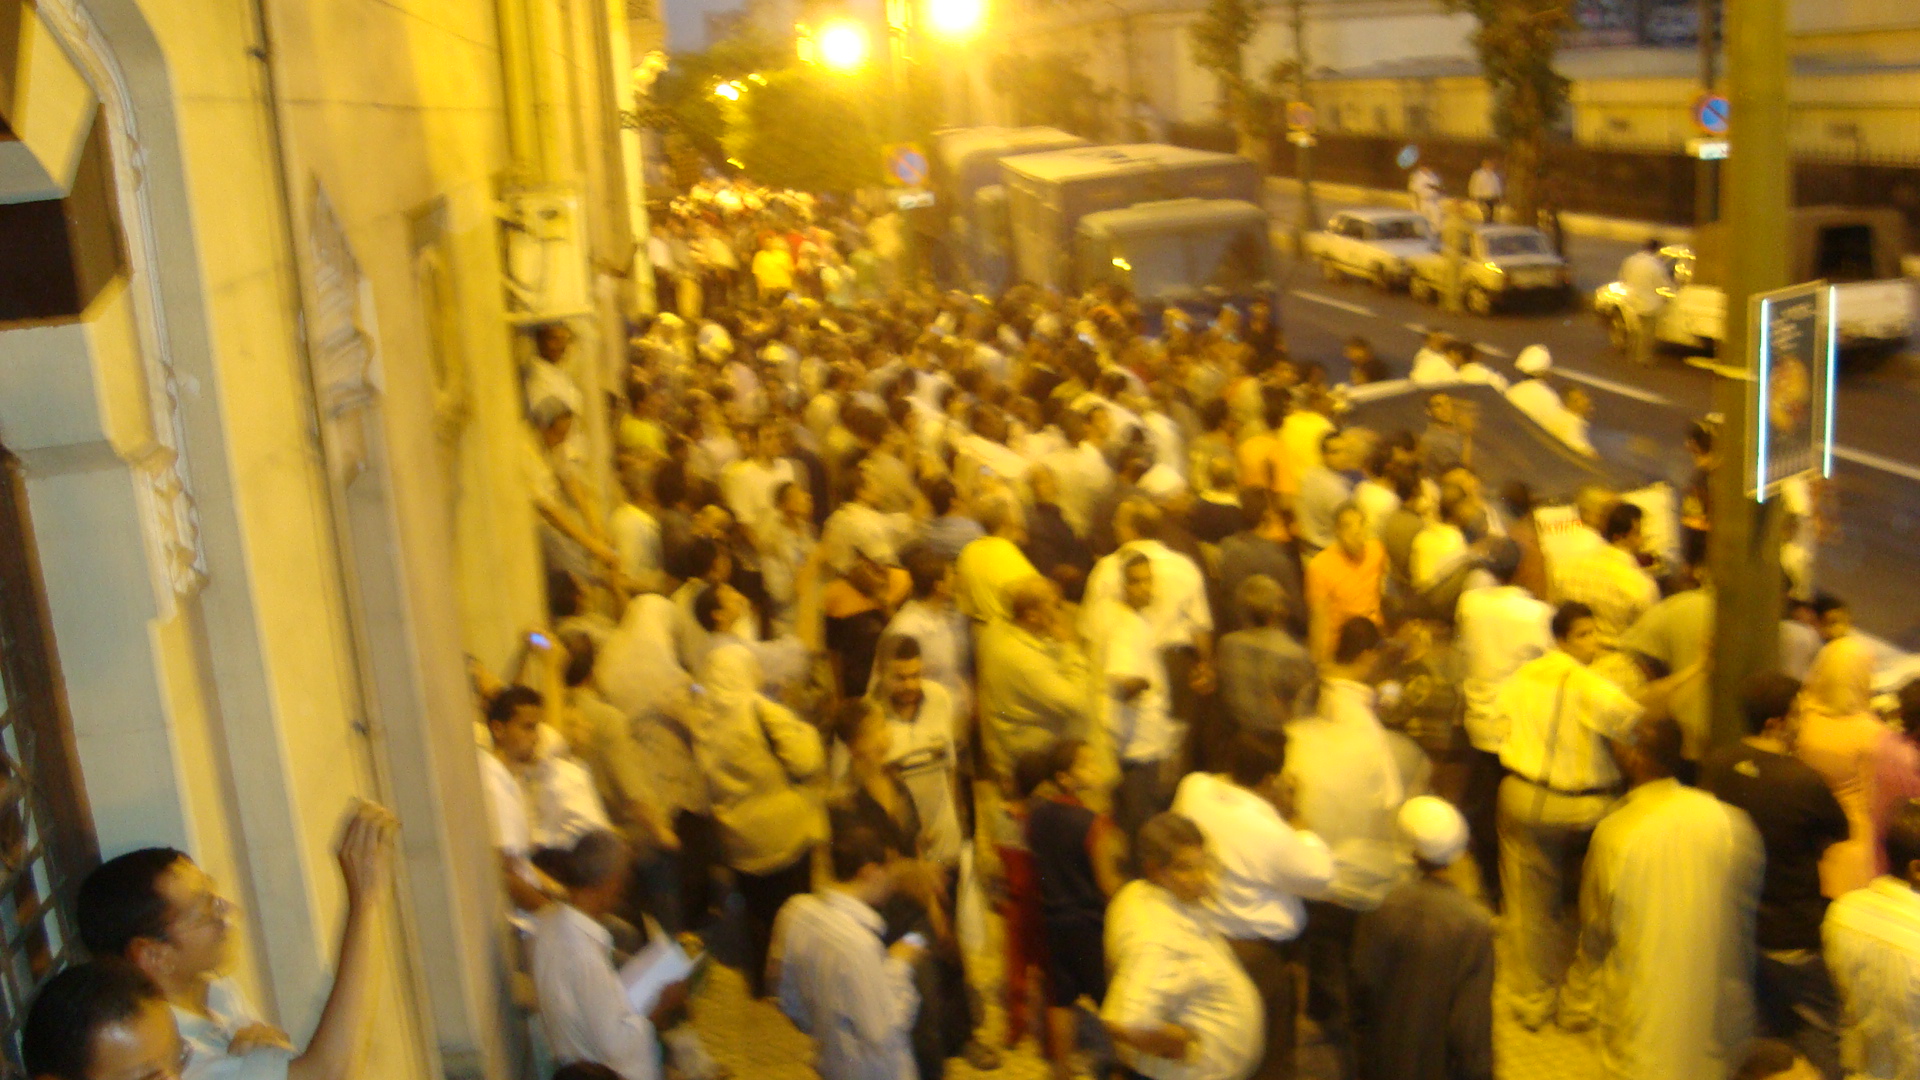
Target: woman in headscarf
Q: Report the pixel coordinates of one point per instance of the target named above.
(1842, 739)
(760, 760)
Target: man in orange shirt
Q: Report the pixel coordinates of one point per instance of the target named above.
(1345, 580)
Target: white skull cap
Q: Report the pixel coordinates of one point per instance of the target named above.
(1436, 829)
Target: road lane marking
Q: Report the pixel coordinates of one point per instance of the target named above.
(1419, 328)
(1875, 461)
(1610, 386)
(1493, 350)
(1333, 303)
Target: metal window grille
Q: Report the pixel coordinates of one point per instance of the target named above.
(46, 834)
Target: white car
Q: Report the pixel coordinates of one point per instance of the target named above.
(1374, 245)
(1503, 263)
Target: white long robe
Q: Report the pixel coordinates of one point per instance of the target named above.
(1667, 909)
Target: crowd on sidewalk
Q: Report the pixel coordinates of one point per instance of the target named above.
(914, 608)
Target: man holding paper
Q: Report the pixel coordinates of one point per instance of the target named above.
(590, 1011)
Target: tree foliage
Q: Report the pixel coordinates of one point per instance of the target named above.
(1050, 89)
(805, 129)
(1516, 41)
(1220, 37)
(681, 101)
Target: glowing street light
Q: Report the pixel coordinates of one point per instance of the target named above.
(728, 90)
(841, 45)
(956, 18)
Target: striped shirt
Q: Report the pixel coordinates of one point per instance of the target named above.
(1872, 940)
(839, 985)
(1611, 582)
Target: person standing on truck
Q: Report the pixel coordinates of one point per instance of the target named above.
(1424, 186)
(1644, 274)
(1486, 188)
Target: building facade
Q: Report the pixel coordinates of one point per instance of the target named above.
(1406, 68)
(269, 270)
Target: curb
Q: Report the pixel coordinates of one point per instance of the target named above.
(1592, 225)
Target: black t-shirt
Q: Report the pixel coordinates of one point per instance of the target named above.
(1798, 819)
(854, 639)
(1059, 831)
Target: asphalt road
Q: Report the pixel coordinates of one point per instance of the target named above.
(1873, 560)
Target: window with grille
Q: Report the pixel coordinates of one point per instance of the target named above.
(46, 836)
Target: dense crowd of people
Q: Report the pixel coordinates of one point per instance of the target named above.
(917, 608)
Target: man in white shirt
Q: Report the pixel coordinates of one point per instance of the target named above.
(858, 523)
(584, 1009)
(1668, 900)
(1537, 398)
(1644, 274)
(1486, 188)
(749, 484)
(1082, 472)
(1609, 579)
(1497, 629)
(157, 910)
(1440, 548)
(1561, 719)
(1133, 701)
(933, 618)
(1349, 788)
(1431, 365)
(919, 718)
(1324, 488)
(1179, 613)
(837, 981)
(1872, 946)
(1266, 865)
(538, 799)
(1179, 1005)
(1424, 185)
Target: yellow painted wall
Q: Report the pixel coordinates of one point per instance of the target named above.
(230, 721)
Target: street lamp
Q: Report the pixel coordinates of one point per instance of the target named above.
(956, 19)
(841, 44)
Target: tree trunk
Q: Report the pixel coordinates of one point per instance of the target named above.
(1524, 161)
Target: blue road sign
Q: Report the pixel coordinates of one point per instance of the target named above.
(906, 164)
(1710, 113)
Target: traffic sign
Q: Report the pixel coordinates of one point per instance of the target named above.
(906, 164)
(1707, 149)
(1302, 138)
(913, 199)
(1300, 116)
(1710, 112)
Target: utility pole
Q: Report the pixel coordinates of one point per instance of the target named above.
(1756, 191)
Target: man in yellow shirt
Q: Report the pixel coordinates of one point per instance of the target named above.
(773, 269)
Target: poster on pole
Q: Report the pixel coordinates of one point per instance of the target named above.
(1790, 397)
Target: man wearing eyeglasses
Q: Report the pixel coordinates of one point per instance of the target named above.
(157, 910)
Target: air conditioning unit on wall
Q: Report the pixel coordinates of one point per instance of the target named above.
(543, 253)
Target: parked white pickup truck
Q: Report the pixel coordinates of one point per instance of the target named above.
(1858, 250)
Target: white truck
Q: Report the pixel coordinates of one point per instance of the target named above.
(1857, 249)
